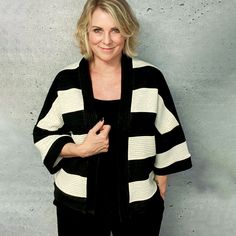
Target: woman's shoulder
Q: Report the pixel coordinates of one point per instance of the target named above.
(67, 76)
(72, 66)
(144, 67)
(138, 63)
(69, 69)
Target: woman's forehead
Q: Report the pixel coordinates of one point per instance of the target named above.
(100, 17)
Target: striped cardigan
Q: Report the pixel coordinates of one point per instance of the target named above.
(151, 137)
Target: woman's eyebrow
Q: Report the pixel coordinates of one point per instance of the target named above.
(94, 26)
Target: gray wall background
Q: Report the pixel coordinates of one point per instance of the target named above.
(193, 44)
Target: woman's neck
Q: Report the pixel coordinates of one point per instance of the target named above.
(106, 80)
(103, 67)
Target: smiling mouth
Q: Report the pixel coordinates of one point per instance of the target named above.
(106, 49)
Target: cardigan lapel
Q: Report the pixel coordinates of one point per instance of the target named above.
(126, 94)
(91, 118)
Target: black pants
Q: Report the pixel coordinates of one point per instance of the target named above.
(74, 223)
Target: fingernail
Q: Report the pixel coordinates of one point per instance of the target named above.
(102, 119)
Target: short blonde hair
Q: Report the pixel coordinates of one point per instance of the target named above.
(122, 14)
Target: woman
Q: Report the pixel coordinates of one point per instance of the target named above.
(109, 131)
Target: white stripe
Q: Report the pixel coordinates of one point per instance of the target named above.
(45, 144)
(144, 100)
(78, 139)
(72, 100)
(53, 120)
(72, 66)
(141, 147)
(148, 100)
(177, 153)
(142, 190)
(165, 121)
(137, 63)
(73, 185)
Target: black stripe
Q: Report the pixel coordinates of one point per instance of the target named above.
(165, 142)
(61, 198)
(39, 133)
(68, 79)
(76, 166)
(54, 152)
(142, 124)
(147, 77)
(74, 121)
(140, 169)
(176, 167)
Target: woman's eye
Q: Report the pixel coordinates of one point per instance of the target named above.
(115, 30)
(97, 30)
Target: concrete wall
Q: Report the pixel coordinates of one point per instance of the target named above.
(192, 42)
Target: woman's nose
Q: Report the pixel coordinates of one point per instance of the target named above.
(107, 38)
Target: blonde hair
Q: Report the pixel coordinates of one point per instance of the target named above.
(122, 14)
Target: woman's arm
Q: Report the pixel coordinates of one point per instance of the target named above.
(97, 141)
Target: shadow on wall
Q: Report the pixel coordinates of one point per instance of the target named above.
(194, 47)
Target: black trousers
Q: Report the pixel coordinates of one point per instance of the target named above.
(75, 223)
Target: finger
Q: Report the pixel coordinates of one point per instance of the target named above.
(96, 128)
(105, 149)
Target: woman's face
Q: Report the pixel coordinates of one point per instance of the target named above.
(105, 39)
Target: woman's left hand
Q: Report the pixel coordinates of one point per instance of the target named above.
(161, 181)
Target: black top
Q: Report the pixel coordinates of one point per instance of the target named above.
(108, 180)
(107, 109)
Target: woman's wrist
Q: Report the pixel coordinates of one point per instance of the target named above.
(72, 150)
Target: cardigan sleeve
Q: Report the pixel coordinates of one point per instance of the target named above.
(49, 133)
(171, 146)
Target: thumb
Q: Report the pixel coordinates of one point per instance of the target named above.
(106, 129)
(96, 128)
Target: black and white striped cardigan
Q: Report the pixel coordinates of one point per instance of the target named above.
(151, 135)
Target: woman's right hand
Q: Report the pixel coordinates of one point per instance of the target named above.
(96, 141)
